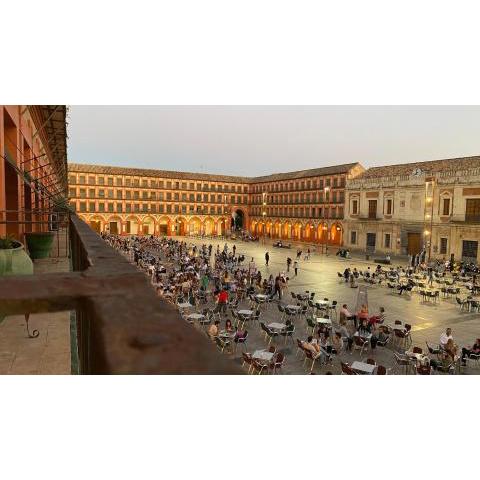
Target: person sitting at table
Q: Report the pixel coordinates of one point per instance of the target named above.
(345, 313)
(213, 329)
(445, 337)
(380, 318)
(228, 326)
(312, 345)
(451, 349)
(466, 352)
(337, 344)
(362, 314)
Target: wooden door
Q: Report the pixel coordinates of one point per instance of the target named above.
(414, 243)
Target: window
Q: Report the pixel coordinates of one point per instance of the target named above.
(72, 192)
(119, 181)
(443, 245)
(72, 179)
(387, 240)
(83, 207)
(128, 182)
(101, 180)
(389, 206)
(355, 207)
(110, 181)
(91, 206)
(472, 212)
(353, 238)
(119, 208)
(81, 179)
(91, 193)
(372, 209)
(110, 207)
(101, 207)
(91, 180)
(446, 206)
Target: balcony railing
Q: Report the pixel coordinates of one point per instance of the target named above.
(122, 326)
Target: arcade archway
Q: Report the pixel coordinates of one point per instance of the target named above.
(238, 220)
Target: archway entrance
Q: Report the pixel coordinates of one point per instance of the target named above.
(96, 225)
(238, 220)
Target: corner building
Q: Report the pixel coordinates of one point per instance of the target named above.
(403, 209)
(306, 205)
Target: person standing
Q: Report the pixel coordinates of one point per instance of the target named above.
(278, 287)
(267, 258)
(234, 249)
(289, 262)
(295, 267)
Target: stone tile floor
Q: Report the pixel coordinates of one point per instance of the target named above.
(47, 354)
(319, 274)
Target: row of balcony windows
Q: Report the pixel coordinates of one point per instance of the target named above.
(156, 184)
(337, 182)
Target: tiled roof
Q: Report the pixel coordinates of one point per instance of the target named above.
(147, 172)
(313, 172)
(143, 172)
(434, 166)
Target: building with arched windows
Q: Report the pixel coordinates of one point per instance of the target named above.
(305, 205)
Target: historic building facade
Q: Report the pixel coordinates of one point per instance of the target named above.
(305, 205)
(157, 202)
(404, 209)
(33, 167)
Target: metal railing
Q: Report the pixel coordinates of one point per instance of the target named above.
(122, 326)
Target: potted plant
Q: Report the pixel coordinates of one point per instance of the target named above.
(39, 244)
(13, 258)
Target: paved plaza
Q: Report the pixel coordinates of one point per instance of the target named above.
(319, 275)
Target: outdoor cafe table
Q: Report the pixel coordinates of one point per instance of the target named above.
(263, 355)
(184, 305)
(195, 316)
(293, 307)
(261, 297)
(323, 304)
(277, 326)
(226, 335)
(366, 336)
(302, 296)
(245, 313)
(323, 321)
(364, 368)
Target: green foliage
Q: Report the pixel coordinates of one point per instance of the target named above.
(7, 242)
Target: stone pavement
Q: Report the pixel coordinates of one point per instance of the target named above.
(319, 275)
(49, 353)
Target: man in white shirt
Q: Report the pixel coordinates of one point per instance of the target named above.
(445, 337)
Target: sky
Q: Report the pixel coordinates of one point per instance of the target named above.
(256, 140)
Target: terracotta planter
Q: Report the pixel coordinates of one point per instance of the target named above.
(39, 244)
(15, 261)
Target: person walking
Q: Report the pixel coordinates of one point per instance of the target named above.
(267, 258)
(289, 262)
(295, 267)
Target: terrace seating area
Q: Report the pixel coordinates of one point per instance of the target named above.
(303, 332)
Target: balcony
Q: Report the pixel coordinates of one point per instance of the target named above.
(121, 326)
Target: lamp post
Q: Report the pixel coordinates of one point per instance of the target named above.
(264, 212)
(428, 220)
(326, 191)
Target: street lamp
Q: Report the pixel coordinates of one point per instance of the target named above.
(326, 191)
(264, 212)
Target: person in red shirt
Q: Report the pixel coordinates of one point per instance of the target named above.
(222, 300)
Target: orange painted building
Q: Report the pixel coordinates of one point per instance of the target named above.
(305, 205)
(33, 166)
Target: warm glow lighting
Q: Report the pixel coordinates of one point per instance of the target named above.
(429, 199)
(426, 232)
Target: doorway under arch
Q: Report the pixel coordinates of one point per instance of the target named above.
(238, 220)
